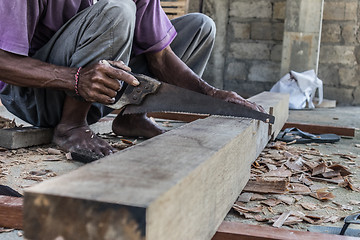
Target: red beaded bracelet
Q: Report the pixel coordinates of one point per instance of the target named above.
(77, 81)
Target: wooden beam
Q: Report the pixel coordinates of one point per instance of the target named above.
(241, 231)
(321, 129)
(179, 185)
(11, 212)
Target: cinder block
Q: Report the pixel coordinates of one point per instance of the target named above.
(338, 55)
(13, 138)
(331, 33)
(349, 33)
(251, 9)
(351, 10)
(341, 95)
(261, 31)
(334, 10)
(236, 71)
(340, 10)
(349, 77)
(356, 96)
(264, 72)
(276, 51)
(329, 74)
(255, 51)
(278, 31)
(241, 30)
(279, 10)
(246, 88)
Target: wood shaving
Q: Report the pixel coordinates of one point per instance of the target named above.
(309, 206)
(241, 209)
(286, 199)
(5, 230)
(271, 202)
(299, 188)
(245, 197)
(256, 196)
(282, 219)
(53, 151)
(322, 194)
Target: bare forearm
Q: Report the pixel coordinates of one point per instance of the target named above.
(28, 72)
(167, 67)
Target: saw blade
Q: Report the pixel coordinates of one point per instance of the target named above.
(170, 98)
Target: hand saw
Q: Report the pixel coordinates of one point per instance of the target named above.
(152, 95)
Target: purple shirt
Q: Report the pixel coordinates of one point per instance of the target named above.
(25, 26)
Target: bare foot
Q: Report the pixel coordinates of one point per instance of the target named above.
(135, 125)
(81, 140)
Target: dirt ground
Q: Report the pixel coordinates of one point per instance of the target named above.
(22, 168)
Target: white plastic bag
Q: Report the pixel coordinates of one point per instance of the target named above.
(301, 87)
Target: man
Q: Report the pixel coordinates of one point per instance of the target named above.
(54, 73)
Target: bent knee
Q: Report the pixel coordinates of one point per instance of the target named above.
(119, 10)
(205, 23)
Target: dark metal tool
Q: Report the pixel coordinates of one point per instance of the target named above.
(154, 96)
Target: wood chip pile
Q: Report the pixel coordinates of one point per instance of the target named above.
(291, 185)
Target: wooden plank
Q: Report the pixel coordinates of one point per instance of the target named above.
(14, 138)
(241, 231)
(321, 129)
(21, 137)
(179, 185)
(11, 212)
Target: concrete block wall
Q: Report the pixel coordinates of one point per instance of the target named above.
(248, 50)
(340, 51)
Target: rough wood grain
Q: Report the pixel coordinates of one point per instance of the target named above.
(11, 212)
(179, 185)
(240, 231)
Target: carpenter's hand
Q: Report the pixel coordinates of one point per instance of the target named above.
(233, 97)
(100, 82)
